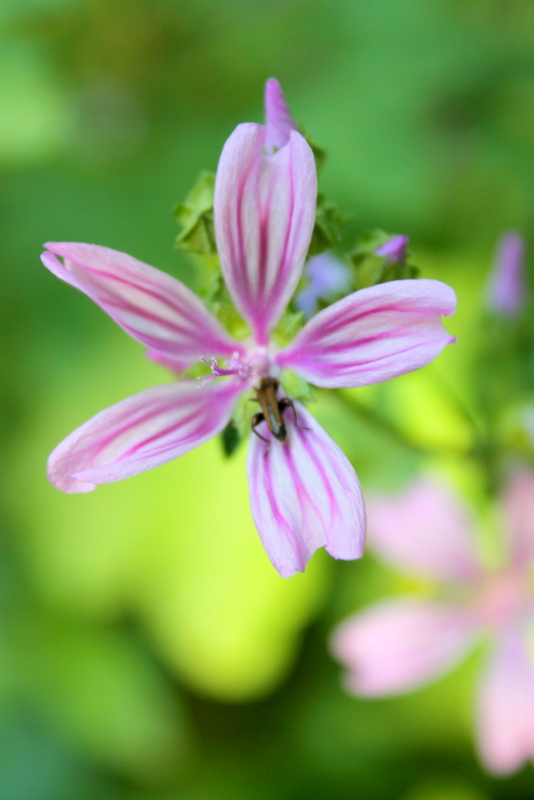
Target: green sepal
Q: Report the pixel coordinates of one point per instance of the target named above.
(288, 327)
(195, 215)
(370, 269)
(235, 324)
(217, 297)
(197, 238)
(238, 428)
(320, 153)
(231, 438)
(296, 387)
(329, 222)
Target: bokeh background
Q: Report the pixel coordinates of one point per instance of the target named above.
(148, 650)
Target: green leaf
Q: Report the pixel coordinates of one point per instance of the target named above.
(320, 153)
(195, 215)
(230, 439)
(329, 222)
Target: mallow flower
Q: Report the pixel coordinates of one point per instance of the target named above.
(304, 493)
(400, 644)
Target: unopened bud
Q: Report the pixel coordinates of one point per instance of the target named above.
(278, 119)
(394, 249)
(506, 287)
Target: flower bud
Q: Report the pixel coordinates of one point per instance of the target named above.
(394, 249)
(506, 288)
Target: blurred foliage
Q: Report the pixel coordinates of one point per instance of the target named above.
(194, 571)
(148, 649)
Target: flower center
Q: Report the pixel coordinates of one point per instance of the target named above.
(254, 364)
(236, 365)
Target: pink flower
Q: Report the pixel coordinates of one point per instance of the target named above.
(304, 492)
(398, 645)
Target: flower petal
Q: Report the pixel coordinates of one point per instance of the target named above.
(373, 334)
(172, 362)
(142, 432)
(401, 644)
(506, 707)
(153, 307)
(278, 119)
(304, 494)
(425, 529)
(519, 516)
(264, 208)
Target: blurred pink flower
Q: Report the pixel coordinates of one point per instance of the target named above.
(401, 644)
(327, 276)
(304, 493)
(506, 288)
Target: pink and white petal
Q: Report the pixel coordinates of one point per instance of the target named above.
(519, 516)
(427, 530)
(505, 721)
(304, 494)
(153, 307)
(399, 645)
(264, 207)
(278, 119)
(373, 334)
(141, 432)
(174, 363)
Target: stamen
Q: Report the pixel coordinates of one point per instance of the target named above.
(236, 365)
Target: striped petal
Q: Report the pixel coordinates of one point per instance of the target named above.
(153, 307)
(278, 119)
(372, 335)
(142, 432)
(264, 208)
(506, 707)
(173, 363)
(425, 529)
(402, 644)
(304, 494)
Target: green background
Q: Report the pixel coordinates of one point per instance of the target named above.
(148, 650)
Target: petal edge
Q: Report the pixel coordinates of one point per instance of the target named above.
(264, 208)
(150, 305)
(140, 433)
(372, 335)
(304, 494)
